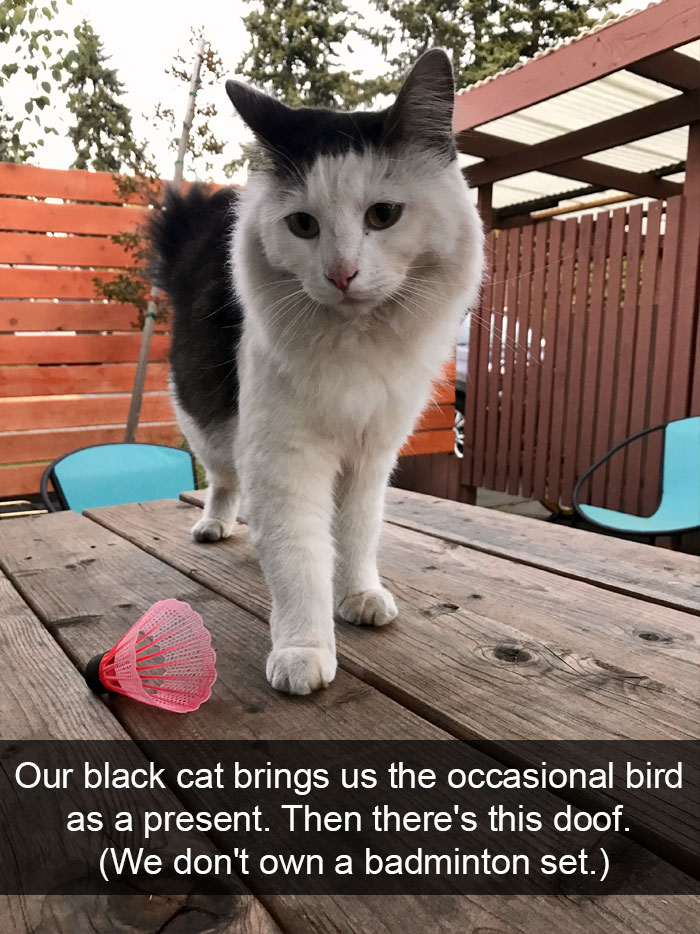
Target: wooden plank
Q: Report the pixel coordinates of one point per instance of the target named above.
(511, 301)
(665, 370)
(38, 249)
(520, 362)
(19, 214)
(476, 390)
(52, 283)
(655, 29)
(594, 335)
(534, 367)
(673, 69)
(552, 311)
(617, 473)
(20, 478)
(50, 443)
(22, 414)
(609, 354)
(71, 184)
(687, 315)
(446, 644)
(436, 416)
(560, 362)
(642, 357)
(68, 316)
(663, 115)
(243, 707)
(79, 348)
(494, 379)
(428, 442)
(575, 398)
(67, 379)
(667, 578)
(486, 146)
(57, 706)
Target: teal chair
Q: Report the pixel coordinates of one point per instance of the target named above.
(111, 474)
(679, 507)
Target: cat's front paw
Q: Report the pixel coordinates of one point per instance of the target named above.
(300, 670)
(212, 530)
(373, 607)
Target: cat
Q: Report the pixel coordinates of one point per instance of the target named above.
(312, 311)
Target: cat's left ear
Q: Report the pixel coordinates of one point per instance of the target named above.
(422, 111)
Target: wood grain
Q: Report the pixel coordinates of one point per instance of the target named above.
(73, 578)
(68, 379)
(79, 348)
(53, 702)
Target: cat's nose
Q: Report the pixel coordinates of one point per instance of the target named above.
(341, 276)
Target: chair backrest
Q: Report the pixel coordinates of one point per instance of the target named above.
(111, 474)
(681, 470)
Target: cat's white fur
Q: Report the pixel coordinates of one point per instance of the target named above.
(331, 383)
(330, 389)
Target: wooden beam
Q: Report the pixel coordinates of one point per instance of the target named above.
(671, 68)
(656, 118)
(655, 29)
(645, 184)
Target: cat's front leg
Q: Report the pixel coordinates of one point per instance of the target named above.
(289, 502)
(360, 597)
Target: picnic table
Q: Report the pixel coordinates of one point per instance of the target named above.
(509, 628)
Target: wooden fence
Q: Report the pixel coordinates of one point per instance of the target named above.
(67, 357)
(587, 333)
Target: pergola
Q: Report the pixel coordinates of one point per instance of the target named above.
(642, 44)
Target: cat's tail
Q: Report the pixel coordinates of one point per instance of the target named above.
(186, 233)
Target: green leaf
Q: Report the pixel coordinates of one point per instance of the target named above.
(29, 106)
(46, 86)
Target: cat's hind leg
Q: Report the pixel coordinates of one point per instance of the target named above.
(212, 445)
(220, 507)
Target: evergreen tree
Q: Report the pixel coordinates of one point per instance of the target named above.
(102, 134)
(296, 49)
(482, 36)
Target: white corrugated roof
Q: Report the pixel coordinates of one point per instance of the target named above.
(616, 94)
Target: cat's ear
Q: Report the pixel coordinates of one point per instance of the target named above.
(422, 111)
(265, 116)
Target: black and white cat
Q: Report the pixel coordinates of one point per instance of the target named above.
(311, 313)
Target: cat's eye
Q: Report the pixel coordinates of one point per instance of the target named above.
(383, 214)
(302, 225)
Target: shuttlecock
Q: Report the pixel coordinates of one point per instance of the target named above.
(165, 660)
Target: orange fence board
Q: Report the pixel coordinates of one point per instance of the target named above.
(79, 348)
(428, 442)
(68, 379)
(24, 413)
(36, 249)
(48, 445)
(22, 215)
(71, 184)
(68, 316)
(51, 283)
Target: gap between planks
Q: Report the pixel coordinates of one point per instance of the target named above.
(480, 709)
(77, 569)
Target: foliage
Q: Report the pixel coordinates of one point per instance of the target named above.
(102, 134)
(203, 144)
(481, 36)
(27, 26)
(296, 47)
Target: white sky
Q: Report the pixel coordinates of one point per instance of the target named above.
(142, 36)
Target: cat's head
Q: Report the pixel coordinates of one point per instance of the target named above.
(350, 203)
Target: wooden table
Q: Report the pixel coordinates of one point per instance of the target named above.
(509, 628)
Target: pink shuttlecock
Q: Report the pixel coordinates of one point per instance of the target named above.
(165, 660)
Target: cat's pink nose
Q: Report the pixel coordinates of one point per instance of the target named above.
(342, 275)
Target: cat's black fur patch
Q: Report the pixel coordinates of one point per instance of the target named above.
(190, 242)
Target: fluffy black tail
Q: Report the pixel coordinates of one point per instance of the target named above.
(190, 240)
(187, 230)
